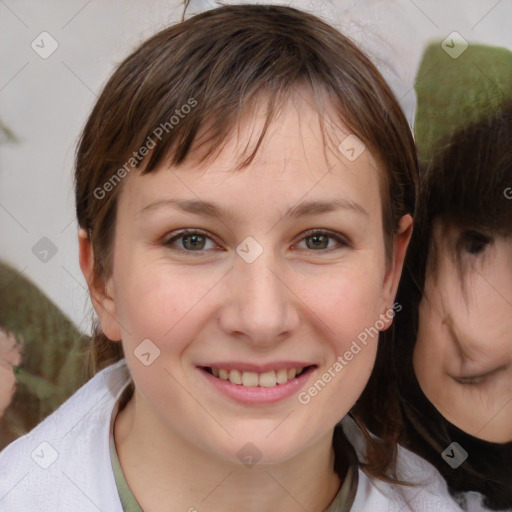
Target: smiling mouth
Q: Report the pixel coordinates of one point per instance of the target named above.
(268, 379)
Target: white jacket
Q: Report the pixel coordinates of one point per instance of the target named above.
(63, 465)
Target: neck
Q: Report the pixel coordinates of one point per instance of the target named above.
(162, 468)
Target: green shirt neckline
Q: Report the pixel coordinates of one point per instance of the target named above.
(128, 500)
(342, 501)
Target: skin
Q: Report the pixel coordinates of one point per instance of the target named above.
(463, 354)
(292, 303)
(10, 356)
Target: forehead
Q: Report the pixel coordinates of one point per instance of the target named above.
(296, 158)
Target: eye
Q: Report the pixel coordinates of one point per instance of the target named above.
(469, 381)
(191, 241)
(479, 379)
(473, 242)
(319, 240)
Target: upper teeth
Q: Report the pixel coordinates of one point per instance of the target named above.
(253, 379)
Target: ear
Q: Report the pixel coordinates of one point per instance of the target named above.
(393, 273)
(101, 290)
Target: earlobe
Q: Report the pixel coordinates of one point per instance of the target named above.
(85, 255)
(101, 291)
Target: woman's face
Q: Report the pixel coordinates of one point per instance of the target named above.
(281, 268)
(463, 354)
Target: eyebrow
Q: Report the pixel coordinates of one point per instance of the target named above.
(199, 207)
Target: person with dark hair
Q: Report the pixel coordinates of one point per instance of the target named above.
(245, 187)
(457, 297)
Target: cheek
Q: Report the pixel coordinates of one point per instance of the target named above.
(423, 353)
(349, 307)
(350, 333)
(156, 301)
(481, 310)
(443, 296)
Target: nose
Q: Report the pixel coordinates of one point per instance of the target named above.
(261, 307)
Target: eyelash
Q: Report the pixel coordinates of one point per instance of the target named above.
(308, 234)
(470, 381)
(480, 379)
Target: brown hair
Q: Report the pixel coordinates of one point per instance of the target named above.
(468, 186)
(219, 63)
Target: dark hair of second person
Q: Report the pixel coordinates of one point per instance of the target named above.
(453, 347)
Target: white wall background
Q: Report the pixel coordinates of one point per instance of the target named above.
(45, 101)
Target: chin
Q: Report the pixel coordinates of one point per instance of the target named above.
(257, 450)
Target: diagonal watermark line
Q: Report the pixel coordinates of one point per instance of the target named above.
(14, 486)
(280, 423)
(422, 77)
(424, 13)
(82, 491)
(497, 413)
(309, 309)
(74, 278)
(14, 218)
(492, 286)
(200, 299)
(217, 486)
(432, 478)
(87, 413)
(77, 13)
(14, 76)
(14, 14)
(485, 15)
(78, 77)
(199, 403)
(18, 274)
(417, 81)
(489, 78)
(285, 490)
(67, 225)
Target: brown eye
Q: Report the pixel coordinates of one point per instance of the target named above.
(190, 241)
(323, 240)
(193, 242)
(317, 242)
(473, 242)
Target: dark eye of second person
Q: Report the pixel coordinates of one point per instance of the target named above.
(474, 242)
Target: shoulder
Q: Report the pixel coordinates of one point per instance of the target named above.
(64, 462)
(429, 494)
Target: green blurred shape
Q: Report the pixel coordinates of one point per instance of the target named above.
(54, 353)
(454, 92)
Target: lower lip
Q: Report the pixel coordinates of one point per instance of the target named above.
(259, 395)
